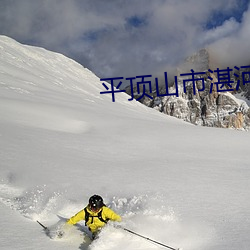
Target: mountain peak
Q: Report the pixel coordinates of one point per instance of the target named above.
(199, 61)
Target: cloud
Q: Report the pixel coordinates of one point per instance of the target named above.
(232, 49)
(123, 38)
(229, 27)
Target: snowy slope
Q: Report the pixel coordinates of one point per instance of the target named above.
(62, 141)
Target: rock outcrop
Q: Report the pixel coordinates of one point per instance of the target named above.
(207, 107)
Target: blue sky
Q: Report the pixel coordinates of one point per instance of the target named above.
(219, 16)
(118, 38)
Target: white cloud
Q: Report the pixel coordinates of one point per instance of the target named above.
(97, 32)
(228, 28)
(233, 49)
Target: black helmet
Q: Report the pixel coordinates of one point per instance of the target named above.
(96, 202)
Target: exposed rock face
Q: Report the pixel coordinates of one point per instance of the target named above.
(215, 109)
(244, 89)
(199, 61)
(206, 109)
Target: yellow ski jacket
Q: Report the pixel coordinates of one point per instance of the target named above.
(94, 223)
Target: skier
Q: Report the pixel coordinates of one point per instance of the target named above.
(95, 214)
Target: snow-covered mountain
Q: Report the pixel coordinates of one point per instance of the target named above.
(62, 141)
(206, 107)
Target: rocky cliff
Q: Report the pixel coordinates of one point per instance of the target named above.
(207, 107)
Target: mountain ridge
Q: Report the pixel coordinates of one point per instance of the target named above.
(224, 109)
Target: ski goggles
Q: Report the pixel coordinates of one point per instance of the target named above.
(94, 208)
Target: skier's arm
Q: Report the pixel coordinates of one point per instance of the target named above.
(77, 217)
(110, 214)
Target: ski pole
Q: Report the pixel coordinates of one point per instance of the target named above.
(45, 228)
(146, 238)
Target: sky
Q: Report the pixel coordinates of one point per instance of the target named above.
(127, 38)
